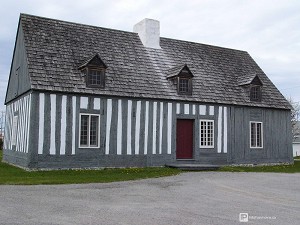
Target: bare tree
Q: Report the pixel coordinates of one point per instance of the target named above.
(2, 122)
(295, 116)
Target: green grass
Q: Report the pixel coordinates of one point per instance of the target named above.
(13, 175)
(295, 168)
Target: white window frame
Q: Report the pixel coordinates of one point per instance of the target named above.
(262, 135)
(213, 134)
(14, 130)
(89, 130)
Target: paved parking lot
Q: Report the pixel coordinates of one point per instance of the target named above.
(189, 198)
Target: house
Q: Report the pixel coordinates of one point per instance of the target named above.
(82, 96)
(296, 139)
(296, 146)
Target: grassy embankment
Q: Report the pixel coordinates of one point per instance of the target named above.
(295, 168)
(13, 175)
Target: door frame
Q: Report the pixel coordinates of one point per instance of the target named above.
(193, 145)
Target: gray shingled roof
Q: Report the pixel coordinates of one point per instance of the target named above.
(97, 57)
(174, 71)
(55, 49)
(246, 79)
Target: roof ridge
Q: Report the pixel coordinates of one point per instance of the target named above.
(73, 23)
(209, 45)
(94, 26)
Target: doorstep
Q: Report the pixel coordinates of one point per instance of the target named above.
(194, 166)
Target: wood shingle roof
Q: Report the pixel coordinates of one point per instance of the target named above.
(56, 49)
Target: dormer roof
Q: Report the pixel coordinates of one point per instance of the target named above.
(251, 78)
(95, 60)
(182, 69)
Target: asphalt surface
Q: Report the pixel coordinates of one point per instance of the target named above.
(190, 198)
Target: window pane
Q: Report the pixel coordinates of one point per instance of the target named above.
(255, 93)
(95, 77)
(183, 85)
(94, 131)
(84, 130)
(258, 138)
(253, 135)
(210, 133)
(256, 134)
(206, 133)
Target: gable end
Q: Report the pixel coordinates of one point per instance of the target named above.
(19, 81)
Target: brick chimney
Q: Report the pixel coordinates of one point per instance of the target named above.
(148, 31)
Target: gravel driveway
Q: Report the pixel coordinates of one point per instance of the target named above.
(189, 198)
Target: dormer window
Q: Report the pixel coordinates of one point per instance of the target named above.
(94, 72)
(184, 85)
(255, 93)
(95, 77)
(252, 86)
(182, 77)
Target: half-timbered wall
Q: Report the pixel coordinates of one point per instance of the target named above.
(16, 144)
(135, 132)
(126, 126)
(17, 125)
(130, 129)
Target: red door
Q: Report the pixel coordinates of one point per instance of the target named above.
(184, 140)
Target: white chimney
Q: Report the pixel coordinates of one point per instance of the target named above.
(148, 31)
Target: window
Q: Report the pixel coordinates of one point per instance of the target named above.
(255, 93)
(94, 71)
(256, 135)
(182, 77)
(89, 131)
(184, 86)
(95, 77)
(206, 134)
(14, 131)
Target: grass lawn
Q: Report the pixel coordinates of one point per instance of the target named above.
(295, 168)
(13, 175)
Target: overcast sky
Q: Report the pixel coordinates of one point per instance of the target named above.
(268, 29)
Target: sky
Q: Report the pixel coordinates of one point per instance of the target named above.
(268, 29)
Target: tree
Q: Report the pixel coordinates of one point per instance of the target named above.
(2, 121)
(295, 116)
